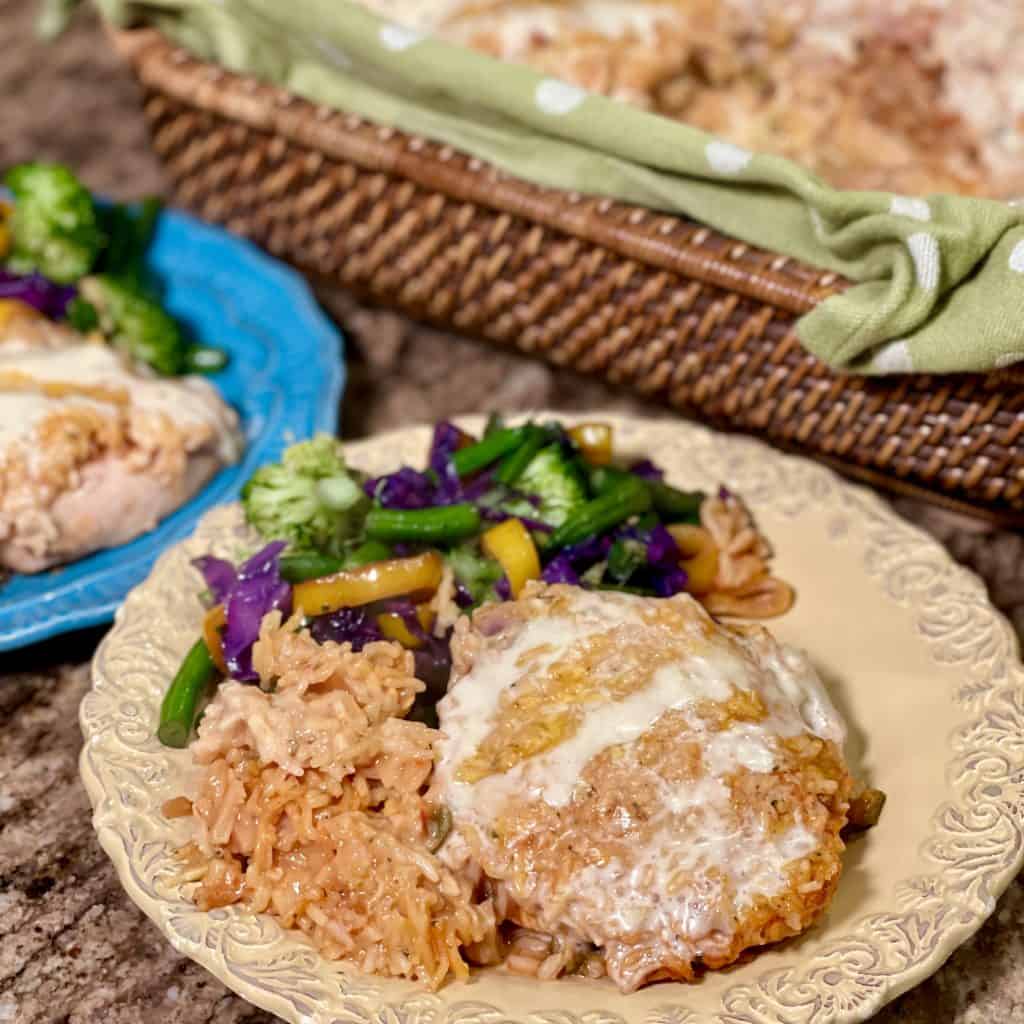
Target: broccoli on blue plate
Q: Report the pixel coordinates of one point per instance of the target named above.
(54, 228)
(135, 323)
(310, 498)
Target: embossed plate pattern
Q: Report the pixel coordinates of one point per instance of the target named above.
(925, 670)
(285, 380)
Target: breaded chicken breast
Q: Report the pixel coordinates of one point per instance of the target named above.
(625, 772)
(93, 452)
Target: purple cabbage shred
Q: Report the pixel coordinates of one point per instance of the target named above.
(258, 589)
(347, 625)
(647, 470)
(219, 574)
(662, 550)
(39, 292)
(447, 438)
(667, 584)
(503, 589)
(560, 570)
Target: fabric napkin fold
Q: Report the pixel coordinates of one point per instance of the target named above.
(939, 280)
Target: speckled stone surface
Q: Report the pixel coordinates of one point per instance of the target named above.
(73, 949)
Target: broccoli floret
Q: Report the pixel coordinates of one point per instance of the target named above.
(475, 571)
(310, 498)
(134, 322)
(555, 479)
(54, 228)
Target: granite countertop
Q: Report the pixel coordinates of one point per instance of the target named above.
(73, 949)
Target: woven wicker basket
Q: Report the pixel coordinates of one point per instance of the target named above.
(656, 303)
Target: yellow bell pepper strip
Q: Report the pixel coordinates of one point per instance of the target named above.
(394, 627)
(12, 309)
(699, 556)
(213, 626)
(416, 578)
(594, 441)
(511, 546)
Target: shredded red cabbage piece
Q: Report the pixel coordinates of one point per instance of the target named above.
(724, 493)
(662, 549)
(39, 292)
(503, 589)
(647, 470)
(671, 582)
(666, 576)
(463, 598)
(257, 590)
(219, 574)
(447, 438)
(347, 625)
(560, 570)
(404, 489)
(589, 551)
(434, 662)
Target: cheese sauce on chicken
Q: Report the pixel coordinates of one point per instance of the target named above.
(94, 452)
(630, 774)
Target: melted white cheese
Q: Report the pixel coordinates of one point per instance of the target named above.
(700, 831)
(187, 401)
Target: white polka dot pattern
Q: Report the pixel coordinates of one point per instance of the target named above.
(1017, 258)
(905, 206)
(893, 358)
(925, 251)
(1008, 359)
(727, 158)
(558, 98)
(398, 37)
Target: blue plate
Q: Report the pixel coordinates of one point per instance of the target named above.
(285, 379)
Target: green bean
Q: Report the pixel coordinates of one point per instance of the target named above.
(512, 466)
(628, 498)
(490, 449)
(304, 566)
(673, 505)
(312, 565)
(427, 525)
(181, 702)
(367, 552)
(603, 478)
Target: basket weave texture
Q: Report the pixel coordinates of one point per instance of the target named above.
(657, 303)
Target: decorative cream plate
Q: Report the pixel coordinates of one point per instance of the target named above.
(924, 669)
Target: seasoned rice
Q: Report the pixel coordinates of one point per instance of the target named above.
(312, 805)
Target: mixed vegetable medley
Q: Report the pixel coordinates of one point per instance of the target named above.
(383, 558)
(77, 262)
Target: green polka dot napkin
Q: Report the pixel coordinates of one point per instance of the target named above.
(940, 280)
